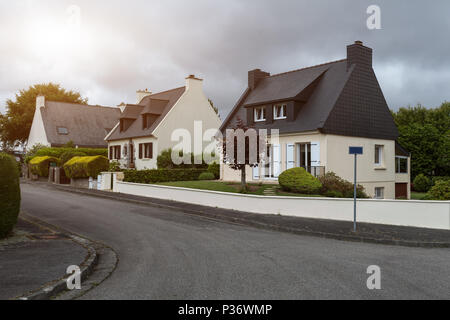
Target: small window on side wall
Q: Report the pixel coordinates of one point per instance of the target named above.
(279, 112)
(260, 114)
(379, 193)
(379, 155)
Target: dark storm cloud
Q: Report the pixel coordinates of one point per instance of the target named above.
(155, 44)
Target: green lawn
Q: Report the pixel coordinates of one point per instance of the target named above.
(256, 189)
(218, 186)
(418, 195)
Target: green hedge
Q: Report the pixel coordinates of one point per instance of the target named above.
(9, 194)
(40, 165)
(300, 181)
(58, 152)
(207, 176)
(85, 167)
(164, 161)
(162, 175)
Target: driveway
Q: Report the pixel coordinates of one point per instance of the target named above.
(165, 254)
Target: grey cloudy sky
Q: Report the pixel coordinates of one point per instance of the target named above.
(122, 46)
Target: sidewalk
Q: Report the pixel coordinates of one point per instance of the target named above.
(340, 230)
(35, 256)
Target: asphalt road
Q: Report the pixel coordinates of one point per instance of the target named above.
(166, 254)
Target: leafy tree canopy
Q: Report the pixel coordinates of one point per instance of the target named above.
(426, 134)
(15, 125)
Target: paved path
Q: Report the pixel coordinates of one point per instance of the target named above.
(165, 254)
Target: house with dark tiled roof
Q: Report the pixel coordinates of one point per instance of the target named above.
(319, 112)
(176, 119)
(58, 123)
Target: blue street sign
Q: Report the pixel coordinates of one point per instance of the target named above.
(356, 150)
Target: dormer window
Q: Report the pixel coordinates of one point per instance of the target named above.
(62, 130)
(260, 114)
(279, 112)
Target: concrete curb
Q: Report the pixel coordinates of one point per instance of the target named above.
(53, 288)
(248, 222)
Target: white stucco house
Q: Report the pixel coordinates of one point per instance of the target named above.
(156, 121)
(320, 112)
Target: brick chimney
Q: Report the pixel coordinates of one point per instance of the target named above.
(141, 94)
(359, 54)
(40, 102)
(255, 76)
(194, 83)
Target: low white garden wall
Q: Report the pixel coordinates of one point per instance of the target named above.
(423, 214)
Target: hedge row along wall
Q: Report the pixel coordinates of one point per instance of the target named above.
(40, 165)
(58, 152)
(9, 194)
(85, 167)
(162, 175)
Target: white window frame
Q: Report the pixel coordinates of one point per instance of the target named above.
(283, 108)
(380, 158)
(263, 113)
(377, 196)
(398, 164)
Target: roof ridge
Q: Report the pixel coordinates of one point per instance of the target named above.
(84, 105)
(154, 94)
(306, 68)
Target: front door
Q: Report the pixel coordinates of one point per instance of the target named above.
(131, 153)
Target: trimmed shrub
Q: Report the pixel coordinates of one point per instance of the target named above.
(207, 176)
(40, 165)
(214, 168)
(85, 167)
(162, 175)
(334, 186)
(57, 152)
(9, 194)
(440, 191)
(422, 183)
(300, 181)
(68, 155)
(31, 153)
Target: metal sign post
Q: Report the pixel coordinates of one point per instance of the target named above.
(355, 151)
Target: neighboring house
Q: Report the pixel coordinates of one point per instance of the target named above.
(145, 129)
(320, 112)
(58, 123)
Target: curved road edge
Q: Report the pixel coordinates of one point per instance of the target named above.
(99, 264)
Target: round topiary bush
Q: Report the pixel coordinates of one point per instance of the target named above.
(206, 176)
(9, 194)
(299, 181)
(422, 183)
